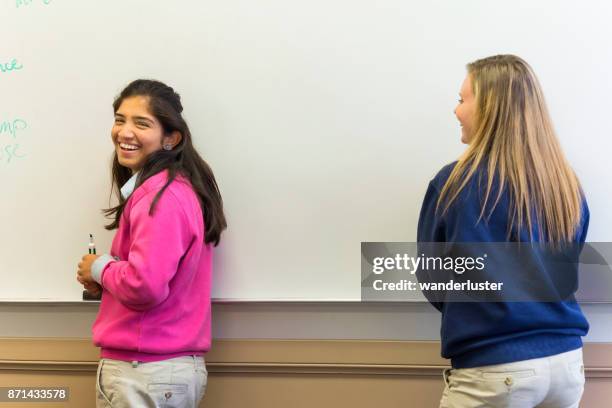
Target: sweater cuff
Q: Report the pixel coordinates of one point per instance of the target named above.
(98, 266)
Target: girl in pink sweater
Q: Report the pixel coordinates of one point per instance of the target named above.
(153, 326)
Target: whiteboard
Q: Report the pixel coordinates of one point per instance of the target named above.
(322, 120)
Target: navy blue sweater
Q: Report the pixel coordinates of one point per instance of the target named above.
(483, 333)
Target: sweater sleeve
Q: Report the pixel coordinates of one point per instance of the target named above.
(431, 228)
(431, 225)
(158, 243)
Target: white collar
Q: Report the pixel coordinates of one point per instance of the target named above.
(128, 187)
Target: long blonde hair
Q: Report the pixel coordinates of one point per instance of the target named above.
(513, 138)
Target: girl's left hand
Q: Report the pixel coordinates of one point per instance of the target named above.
(84, 271)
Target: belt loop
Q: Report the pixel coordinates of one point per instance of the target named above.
(134, 363)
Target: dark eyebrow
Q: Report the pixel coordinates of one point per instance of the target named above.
(143, 118)
(122, 116)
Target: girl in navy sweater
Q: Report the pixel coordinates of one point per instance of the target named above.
(514, 184)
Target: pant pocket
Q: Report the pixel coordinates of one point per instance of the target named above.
(576, 370)
(101, 380)
(467, 387)
(202, 378)
(446, 373)
(169, 395)
(503, 375)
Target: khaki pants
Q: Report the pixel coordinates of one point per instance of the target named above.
(549, 382)
(177, 382)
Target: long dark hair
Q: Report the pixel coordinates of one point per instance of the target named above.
(183, 159)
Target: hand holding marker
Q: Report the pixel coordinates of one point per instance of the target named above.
(93, 292)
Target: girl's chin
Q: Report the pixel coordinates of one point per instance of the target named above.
(126, 163)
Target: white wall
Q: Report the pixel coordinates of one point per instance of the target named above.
(323, 120)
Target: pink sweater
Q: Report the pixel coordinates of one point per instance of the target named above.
(156, 297)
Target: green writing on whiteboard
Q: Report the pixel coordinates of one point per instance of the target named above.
(13, 65)
(12, 128)
(9, 142)
(9, 152)
(20, 3)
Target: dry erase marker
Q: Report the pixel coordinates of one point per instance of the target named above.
(92, 245)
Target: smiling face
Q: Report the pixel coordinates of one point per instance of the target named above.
(465, 110)
(136, 133)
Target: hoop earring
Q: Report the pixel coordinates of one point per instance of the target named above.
(167, 147)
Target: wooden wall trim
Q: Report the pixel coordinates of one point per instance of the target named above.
(350, 357)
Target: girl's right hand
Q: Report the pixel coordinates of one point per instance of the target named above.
(93, 288)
